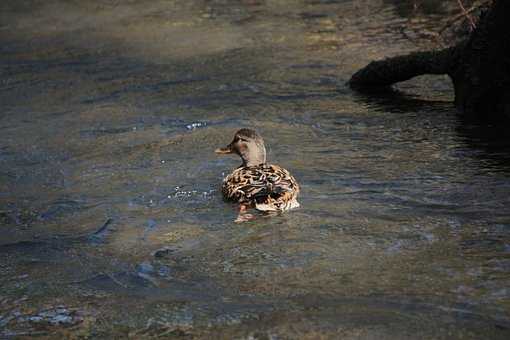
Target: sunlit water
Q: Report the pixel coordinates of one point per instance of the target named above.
(112, 221)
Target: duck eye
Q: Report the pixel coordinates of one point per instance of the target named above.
(243, 139)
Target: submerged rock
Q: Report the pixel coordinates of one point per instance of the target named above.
(56, 316)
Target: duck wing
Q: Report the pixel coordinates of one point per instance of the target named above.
(269, 187)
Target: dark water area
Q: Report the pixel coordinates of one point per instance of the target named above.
(112, 221)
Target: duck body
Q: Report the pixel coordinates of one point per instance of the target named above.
(257, 184)
(266, 187)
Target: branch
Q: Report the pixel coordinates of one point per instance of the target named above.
(463, 14)
(466, 14)
(384, 73)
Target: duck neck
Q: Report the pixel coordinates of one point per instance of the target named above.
(254, 157)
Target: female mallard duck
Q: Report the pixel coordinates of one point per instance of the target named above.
(255, 183)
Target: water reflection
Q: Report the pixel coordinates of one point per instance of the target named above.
(486, 142)
(113, 223)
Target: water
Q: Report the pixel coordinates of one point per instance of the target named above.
(112, 222)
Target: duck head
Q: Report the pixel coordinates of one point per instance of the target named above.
(248, 144)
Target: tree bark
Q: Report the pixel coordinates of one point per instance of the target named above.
(479, 67)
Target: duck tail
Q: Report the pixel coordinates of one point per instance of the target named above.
(266, 206)
(273, 205)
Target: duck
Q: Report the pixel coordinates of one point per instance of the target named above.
(256, 183)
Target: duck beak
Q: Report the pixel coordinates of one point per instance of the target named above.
(224, 151)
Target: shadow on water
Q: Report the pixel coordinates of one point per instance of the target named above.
(397, 101)
(487, 141)
(411, 8)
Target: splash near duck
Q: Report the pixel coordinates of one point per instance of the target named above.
(257, 184)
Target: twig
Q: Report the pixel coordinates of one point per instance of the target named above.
(466, 14)
(103, 227)
(455, 18)
(114, 279)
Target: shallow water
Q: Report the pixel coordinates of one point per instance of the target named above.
(112, 222)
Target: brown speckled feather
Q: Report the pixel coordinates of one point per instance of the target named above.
(267, 187)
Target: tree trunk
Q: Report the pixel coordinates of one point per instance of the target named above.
(479, 67)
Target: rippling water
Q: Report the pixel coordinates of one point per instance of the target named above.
(112, 222)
